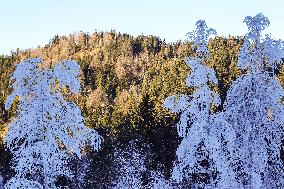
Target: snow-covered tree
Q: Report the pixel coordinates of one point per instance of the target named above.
(207, 138)
(48, 129)
(255, 110)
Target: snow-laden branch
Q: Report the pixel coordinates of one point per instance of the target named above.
(47, 130)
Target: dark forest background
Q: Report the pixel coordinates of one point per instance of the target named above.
(125, 80)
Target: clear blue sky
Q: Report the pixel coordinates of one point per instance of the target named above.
(28, 23)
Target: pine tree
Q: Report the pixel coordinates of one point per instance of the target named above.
(254, 109)
(47, 130)
(204, 153)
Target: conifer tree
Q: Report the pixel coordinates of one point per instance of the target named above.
(204, 152)
(255, 110)
(47, 129)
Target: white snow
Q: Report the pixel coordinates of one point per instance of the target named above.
(47, 129)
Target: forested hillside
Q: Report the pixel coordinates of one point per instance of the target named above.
(125, 81)
(121, 73)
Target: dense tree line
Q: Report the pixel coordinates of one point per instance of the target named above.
(119, 71)
(125, 81)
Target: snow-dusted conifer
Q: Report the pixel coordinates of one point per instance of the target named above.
(254, 109)
(47, 129)
(206, 136)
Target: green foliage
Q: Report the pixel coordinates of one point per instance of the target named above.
(125, 80)
(224, 57)
(118, 71)
(6, 68)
